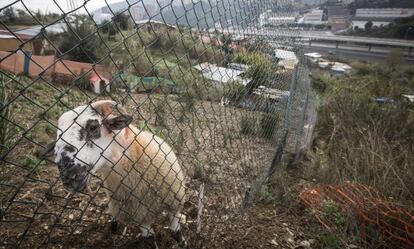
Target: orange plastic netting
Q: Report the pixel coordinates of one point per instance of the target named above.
(356, 208)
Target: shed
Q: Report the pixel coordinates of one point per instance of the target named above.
(220, 75)
(99, 84)
(313, 57)
(286, 59)
(408, 97)
(10, 42)
(146, 84)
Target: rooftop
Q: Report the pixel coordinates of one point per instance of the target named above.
(146, 21)
(313, 55)
(219, 74)
(285, 54)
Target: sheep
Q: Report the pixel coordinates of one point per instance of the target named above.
(140, 172)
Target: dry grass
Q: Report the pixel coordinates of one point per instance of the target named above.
(361, 141)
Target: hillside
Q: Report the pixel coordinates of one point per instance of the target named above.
(201, 14)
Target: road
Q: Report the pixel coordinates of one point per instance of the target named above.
(319, 36)
(355, 53)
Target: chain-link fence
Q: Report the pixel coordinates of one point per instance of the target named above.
(122, 117)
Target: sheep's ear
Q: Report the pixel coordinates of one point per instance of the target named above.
(115, 116)
(117, 122)
(48, 150)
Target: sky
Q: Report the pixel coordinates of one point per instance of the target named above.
(50, 6)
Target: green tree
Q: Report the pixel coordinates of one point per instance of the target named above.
(8, 15)
(122, 20)
(368, 25)
(81, 42)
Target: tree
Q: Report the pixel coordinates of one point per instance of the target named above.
(9, 15)
(82, 44)
(368, 25)
(122, 20)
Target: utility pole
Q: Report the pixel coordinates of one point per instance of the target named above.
(406, 32)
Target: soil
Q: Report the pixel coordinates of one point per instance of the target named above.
(37, 212)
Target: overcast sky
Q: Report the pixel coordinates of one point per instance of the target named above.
(50, 5)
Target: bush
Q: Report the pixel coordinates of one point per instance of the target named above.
(268, 124)
(260, 71)
(248, 125)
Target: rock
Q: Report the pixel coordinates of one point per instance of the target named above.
(273, 242)
(71, 216)
(304, 244)
(291, 234)
(290, 240)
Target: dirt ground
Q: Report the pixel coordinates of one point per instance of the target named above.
(40, 213)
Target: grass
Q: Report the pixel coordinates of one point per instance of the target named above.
(7, 130)
(360, 140)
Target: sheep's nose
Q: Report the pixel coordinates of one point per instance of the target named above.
(73, 175)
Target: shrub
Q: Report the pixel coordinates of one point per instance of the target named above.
(234, 91)
(268, 124)
(248, 125)
(260, 70)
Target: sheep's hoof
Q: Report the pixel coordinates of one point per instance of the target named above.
(152, 242)
(182, 243)
(113, 226)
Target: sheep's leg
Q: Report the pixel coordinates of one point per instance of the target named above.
(149, 234)
(175, 229)
(113, 225)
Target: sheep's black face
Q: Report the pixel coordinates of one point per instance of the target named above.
(74, 176)
(84, 141)
(80, 148)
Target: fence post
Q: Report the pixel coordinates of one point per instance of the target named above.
(26, 64)
(301, 127)
(277, 158)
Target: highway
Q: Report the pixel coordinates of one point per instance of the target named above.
(355, 54)
(326, 36)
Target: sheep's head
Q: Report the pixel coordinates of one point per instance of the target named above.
(85, 138)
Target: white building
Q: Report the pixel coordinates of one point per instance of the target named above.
(313, 57)
(220, 75)
(314, 17)
(379, 17)
(100, 18)
(286, 58)
(270, 18)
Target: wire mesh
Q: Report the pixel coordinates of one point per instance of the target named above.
(161, 112)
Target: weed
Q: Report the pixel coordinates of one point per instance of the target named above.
(34, 164)
(248, 125)
(265, 196)
(160, 113)
(7, 130)
(198, 170)
(329, 240)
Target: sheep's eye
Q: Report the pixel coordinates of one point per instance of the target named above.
(93, 129)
